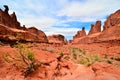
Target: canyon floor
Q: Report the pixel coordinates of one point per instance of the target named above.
(62, 62)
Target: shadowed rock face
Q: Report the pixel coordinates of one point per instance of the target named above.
(112, 20)
(80, 33)
(10, 28)
(95, 28)
(6, 9)
(59, 39)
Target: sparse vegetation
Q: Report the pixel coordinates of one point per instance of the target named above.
(6, 57)
(82, 57)
(26, 57)
(49, 49)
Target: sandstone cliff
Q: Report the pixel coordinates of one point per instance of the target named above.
(10, 29)
(111, 31)
(112, 20)
(95, 28)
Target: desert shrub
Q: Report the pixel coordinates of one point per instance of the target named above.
(82, 57)
(61, 54)
(67, 57)
(6, 57)
(75, 52)
(25, 57)
(49, 49)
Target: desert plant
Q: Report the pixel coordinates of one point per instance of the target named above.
(61, 54)
(49, 49)
(6, 57)
(25, 56)
(82, 57)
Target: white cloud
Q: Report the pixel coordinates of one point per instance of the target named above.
(90, 9)
(48, 14)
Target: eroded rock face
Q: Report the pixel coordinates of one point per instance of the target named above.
(95, 28)
(112, 20)
(40, 34)
(58, 38)
(10, 29)
(80, 33)
(111, 31)
(9, 20)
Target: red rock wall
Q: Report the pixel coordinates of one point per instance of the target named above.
(112, 20)
(95, 28)
(111, 31)
(10, 27)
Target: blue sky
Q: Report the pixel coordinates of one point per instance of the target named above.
(64, 17)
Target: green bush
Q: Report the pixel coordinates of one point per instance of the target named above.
(82, 57)
(25, 56)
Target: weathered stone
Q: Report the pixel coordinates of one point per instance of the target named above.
(57, 38)
(110, 32)
(9, 20)
(40, 34)
(6, 9)
(80, 33)
(10, 29)
(95, 28)
(112, 20)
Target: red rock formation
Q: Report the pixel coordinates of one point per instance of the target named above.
(95, 28)
(80, 33)
(10, 28)
(40, 34)
(112, 20)
(59, 39)
(111, 31)
(8, 20)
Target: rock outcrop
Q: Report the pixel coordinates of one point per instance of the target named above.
(112, 20)
(40, 34)
(57, 39)
(8, 20)
(95, 28)
(111, 31)
(10, 29)
(80, 33)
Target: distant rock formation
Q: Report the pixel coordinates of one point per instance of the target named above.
(112, 20)
(10, 29)
(6, 9)
(80, 33)
(8, 20)
(95, 28)
(40, 34)
(57, 39)
(111, 31)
